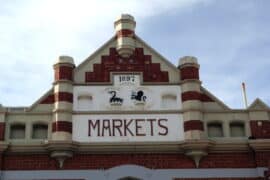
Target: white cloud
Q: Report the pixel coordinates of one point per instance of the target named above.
(33, 33)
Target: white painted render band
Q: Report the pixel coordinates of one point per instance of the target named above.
(134, 128)
(101, 95)
(134, 171)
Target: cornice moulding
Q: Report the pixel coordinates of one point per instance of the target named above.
(260, 144)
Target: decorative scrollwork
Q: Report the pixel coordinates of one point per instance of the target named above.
(138, 96)
(114, 100)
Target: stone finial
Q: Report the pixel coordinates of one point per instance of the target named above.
(125, 21)
(124, 28)
(63, 68)
(187, 60)
(65, 59)
(61, 156)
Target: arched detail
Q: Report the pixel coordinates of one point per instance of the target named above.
(129, 172)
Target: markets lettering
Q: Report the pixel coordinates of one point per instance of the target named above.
(127, 127)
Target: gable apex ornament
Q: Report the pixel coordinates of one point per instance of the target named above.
(125, 32)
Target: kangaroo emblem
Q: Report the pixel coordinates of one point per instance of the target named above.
(114, 99)
(138, 96)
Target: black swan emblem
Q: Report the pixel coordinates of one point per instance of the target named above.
(115, 99)
(139, 96)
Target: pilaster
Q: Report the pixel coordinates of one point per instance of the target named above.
(191, 98)
(63, 95)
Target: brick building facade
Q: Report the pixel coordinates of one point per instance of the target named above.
(127, 113)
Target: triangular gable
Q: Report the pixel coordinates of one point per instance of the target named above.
(98, 51)
(92, 67)
(153, 51)
(258, 104)
(47, 98)
(211, 98)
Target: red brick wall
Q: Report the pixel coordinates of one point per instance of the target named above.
(28, 162)
(44, 162)
(63, 96)
(155, 161)
(138, 62)
(1, 160)
(2, 131)
(262, 159)
(48, 100)
(62, 126)
(194, 95)
(125, 33)
(62, 72)
(267, 173)
(193, 125)
(191, 95)
(228, 160)
(260, 132)
(189, 72)
(205, 98)
(60, 96)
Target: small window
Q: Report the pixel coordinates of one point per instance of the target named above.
(215, 130)
(237, 129)
(168, 101)
(40, 131)
(85, 102)
(17, 131)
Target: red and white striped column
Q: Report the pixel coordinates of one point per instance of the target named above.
(191, 98)
(63, 99)
(124, 28)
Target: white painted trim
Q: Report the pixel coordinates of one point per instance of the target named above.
(133, 171)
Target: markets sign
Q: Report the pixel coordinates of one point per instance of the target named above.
(121, 128)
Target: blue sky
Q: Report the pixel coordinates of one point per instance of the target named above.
(230, 38)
